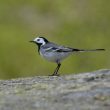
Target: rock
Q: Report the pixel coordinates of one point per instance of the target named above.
(86, 91)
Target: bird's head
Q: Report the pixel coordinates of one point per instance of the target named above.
(40, 41)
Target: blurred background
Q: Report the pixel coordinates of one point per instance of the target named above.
(81, 24)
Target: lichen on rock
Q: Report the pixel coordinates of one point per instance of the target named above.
(85, 91)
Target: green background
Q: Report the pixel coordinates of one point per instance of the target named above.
(81, 24)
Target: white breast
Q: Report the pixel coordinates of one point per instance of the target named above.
(55, 56)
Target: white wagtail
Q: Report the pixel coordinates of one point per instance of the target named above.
(55, 53)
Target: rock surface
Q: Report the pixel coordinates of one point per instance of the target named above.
(86, 91)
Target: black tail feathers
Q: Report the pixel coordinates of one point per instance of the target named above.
(81, 50)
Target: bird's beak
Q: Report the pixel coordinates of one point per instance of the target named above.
(32, 41)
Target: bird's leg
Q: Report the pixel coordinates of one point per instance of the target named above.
(56, 70)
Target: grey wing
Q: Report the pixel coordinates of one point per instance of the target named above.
(51, 47)
(63, 49)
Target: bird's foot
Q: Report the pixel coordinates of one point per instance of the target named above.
(54, 74)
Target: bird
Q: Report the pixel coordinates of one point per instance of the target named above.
(56, 53)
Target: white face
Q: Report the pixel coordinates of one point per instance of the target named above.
(39, 40)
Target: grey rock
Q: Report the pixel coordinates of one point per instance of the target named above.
(85, 91)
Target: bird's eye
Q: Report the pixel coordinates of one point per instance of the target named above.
(38, 39)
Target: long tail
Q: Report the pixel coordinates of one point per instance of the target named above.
(81, 50)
